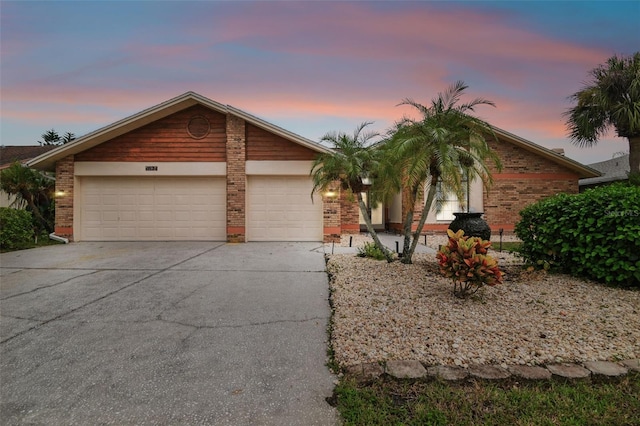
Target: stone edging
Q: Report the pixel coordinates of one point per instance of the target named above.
(416, 370)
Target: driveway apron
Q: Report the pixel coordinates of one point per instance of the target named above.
(165, 333)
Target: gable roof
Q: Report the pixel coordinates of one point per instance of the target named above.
(611, 170)
(13, 153)
(580, 169)
(48, 159)
(157, 112)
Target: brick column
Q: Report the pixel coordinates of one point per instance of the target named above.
(331, 217)
(236, 179)
(349, 213)
(64, 201)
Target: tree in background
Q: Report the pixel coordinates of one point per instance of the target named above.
(443, 146)
(51, 137)
(33, 191)
(611, 98)
(351, 164)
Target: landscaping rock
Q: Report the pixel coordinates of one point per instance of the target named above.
(447, 373)
(365, 372)
(605, 368)
(406, 369)
(488, 372)
(530, 373)
(632, 364)
(569, 371)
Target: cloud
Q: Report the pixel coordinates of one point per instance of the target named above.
(291, 62)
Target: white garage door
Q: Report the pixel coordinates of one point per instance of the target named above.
(147, 209)
(279, 208)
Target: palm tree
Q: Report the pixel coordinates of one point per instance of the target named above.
(351, 163)
(443, 146)
(610, 99)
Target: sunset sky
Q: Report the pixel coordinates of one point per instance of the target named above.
(310, 67)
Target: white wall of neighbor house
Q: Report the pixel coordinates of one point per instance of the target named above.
(6, 200)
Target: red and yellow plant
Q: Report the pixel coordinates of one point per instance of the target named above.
(466, 262)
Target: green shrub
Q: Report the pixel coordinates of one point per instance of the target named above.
(16, 228)
(371, 250)
(595, 234)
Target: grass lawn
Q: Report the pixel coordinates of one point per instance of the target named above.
(390, 402)
(43, 241)
(510, 246)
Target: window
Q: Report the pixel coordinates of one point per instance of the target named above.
(447, 203)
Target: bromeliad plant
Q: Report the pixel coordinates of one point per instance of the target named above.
(466, 262)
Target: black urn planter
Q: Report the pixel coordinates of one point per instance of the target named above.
(472, 224)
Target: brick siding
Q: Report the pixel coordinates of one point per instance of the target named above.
(525, 178)
(64, 202)
(236, 179)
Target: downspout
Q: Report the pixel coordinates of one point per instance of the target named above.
(54, 237)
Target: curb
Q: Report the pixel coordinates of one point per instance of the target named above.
(411, 369)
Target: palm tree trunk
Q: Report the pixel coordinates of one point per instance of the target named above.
(406, 227)
(408, 255)
(374, 234)
(634, 155)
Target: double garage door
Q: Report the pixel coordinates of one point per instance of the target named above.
(278, 208)
(148, 209)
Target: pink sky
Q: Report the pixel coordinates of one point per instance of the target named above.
(308, 67)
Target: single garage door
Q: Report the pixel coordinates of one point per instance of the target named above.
(148, 209)
(279, 208)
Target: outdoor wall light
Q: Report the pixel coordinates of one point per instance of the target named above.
(331, 194)
(59, 193)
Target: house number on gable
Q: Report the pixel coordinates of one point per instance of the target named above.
(151, 168)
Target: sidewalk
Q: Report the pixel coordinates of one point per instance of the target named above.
(388, 240)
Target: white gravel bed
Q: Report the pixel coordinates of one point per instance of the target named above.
(408, 312)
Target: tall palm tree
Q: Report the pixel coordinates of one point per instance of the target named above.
(352, 162)
(611, 98)
(441, 147)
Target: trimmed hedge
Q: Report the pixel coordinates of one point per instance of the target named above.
(595, 234)
(16, 228)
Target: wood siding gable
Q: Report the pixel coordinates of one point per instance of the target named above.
(265, 146)
(195, 134)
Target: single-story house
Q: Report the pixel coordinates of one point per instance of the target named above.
(11, 154)
(613, 170)
(193, 169)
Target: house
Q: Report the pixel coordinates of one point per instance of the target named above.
(193, 169)
(189, 169)
(614, 170)
(11, 154)
(529, 173)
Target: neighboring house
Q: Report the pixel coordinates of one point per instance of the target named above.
(194, 169)
(614, 170)
(11, 154)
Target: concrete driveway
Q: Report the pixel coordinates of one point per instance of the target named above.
(165, 333)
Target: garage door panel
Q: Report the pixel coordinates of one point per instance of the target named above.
(279, 208)
(127, 208)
